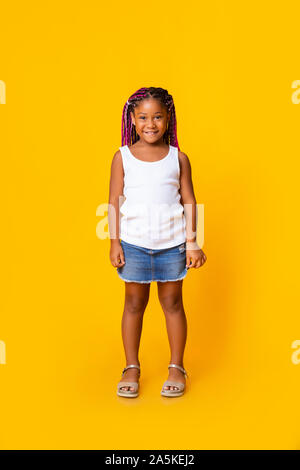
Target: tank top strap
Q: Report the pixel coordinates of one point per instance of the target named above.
(125, 157)
(174, 151)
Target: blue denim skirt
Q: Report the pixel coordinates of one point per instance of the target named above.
(147, 265)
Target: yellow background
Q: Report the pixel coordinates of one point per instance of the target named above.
(69, 67)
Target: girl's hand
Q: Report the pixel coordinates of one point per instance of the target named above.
(116, 255)
(196, 257)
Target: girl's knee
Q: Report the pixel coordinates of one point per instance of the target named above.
(171, 303)
(135, 304)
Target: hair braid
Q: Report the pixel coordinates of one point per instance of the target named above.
(129, 134)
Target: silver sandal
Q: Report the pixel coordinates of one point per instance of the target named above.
(129, 393)
(171, 383)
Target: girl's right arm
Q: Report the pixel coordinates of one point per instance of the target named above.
(116, 186)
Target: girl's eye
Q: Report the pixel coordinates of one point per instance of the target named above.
(143, 117)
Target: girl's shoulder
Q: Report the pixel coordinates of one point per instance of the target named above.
(117, 162)
(183, 157)
(117, 155)
(184, 161)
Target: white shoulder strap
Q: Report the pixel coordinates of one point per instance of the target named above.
(176, 158)
(124, 154)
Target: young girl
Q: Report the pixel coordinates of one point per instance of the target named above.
(154, 239)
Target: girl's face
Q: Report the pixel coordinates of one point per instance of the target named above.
(151, 119)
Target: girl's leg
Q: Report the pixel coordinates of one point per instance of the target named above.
(136, 300)
(170, 297)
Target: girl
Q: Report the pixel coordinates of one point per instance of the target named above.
(153, 175)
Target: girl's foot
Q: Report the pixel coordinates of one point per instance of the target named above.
(177, 376)
(130, 375)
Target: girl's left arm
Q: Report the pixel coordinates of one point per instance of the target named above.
(195, 257)
(188, 199)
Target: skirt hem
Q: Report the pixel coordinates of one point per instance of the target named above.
(154, 280)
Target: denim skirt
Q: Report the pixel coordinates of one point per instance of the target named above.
(146, 265)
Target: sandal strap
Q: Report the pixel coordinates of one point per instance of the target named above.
(131, 366)
(178, 367)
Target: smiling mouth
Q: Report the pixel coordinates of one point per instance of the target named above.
(151, 133)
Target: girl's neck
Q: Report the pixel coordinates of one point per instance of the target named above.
(142, 144)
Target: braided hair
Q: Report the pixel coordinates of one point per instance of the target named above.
(129, 134)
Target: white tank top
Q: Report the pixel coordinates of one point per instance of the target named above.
(152, 215)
